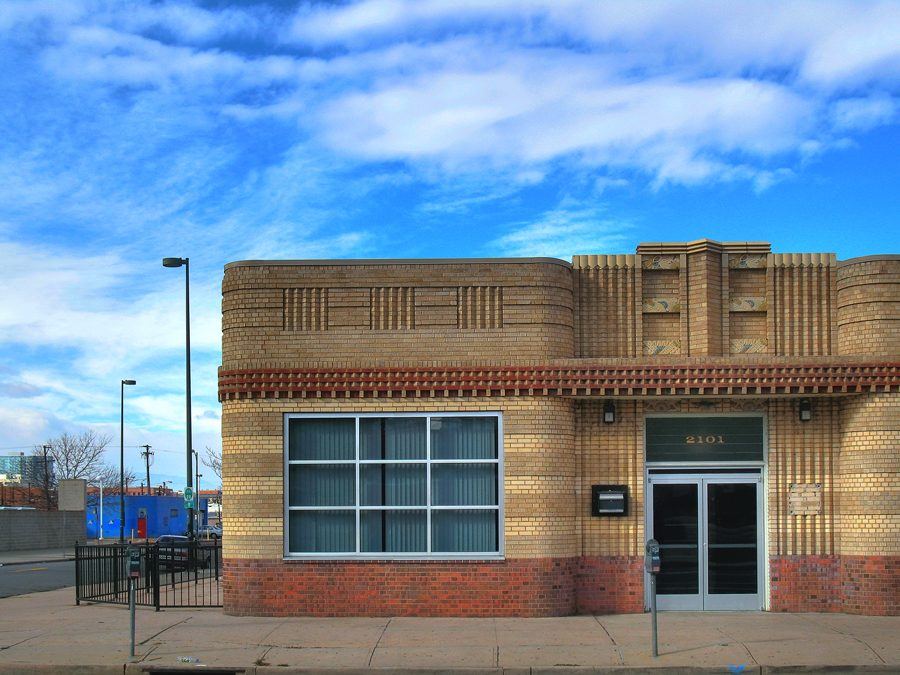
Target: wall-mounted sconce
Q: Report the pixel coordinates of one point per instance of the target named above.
(609, 412)
(805, 410)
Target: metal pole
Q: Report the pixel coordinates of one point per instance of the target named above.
(122, 461)
(653, 613)
(131, 610)
(197, 491)
(187, 333)
(101, 510)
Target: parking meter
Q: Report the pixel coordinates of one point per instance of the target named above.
(652, 563)
(134, 572)
(651, 557)
(134, 563)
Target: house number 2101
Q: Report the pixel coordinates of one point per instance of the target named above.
(705, 440)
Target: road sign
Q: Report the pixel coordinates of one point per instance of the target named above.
(188, 497)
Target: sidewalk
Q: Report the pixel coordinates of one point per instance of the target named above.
(48, 629)
(37, 555)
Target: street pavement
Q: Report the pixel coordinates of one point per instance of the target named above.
(47, 628)
(32, 577)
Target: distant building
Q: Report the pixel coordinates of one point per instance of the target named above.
(146, 516)
(25, 470)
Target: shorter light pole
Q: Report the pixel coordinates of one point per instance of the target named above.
(101, 510)
(122, 458)
(199, 516)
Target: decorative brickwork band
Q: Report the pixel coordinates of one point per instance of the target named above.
(674, 380)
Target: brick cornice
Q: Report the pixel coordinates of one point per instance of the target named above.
(745, 379)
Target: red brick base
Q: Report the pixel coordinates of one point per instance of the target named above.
(852, 584)
(523, 587)
(609, 585)
(531, 587)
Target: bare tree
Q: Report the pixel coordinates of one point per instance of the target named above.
(42, 475)
(78, 455)
(213, 459)
(108, 477)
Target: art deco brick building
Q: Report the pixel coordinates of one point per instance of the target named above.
(491, 437)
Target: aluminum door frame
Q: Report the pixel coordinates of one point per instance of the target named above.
(681, 602)
(734, 601)
(703, 601)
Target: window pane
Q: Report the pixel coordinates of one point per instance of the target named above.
(322, 532)
(392, 531)
(392, 484)
(392, 438)
(330, 439)
(464, 531)
(464, 484)
(464, 437)
(322, 485)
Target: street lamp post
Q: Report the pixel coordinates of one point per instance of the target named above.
(185, 262)
(122, 457)
(199, 517)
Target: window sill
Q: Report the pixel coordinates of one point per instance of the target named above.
(395, 559)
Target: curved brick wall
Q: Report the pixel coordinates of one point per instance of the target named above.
(869, 499)
(868, 306)
(401, 312)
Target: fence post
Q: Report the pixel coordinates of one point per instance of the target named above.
(155, 555)
(115, 562)
(77, 575)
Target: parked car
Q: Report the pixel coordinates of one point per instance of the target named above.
(174, 553)
(209, 532)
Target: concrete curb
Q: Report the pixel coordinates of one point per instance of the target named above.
(147, 668)
(35, 562)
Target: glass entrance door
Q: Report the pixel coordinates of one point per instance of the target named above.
(709, 527)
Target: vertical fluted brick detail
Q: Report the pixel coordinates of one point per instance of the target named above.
(607, 306)
(800, 318)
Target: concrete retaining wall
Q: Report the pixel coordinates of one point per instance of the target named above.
(21, 530)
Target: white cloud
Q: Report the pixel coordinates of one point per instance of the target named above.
(558, 233)
(854, 114)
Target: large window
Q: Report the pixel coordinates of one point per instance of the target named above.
(393, 486)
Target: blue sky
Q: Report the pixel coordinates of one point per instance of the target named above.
(385, 128)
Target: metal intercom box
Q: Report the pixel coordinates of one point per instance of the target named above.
(609, 500)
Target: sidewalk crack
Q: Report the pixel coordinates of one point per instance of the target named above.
(177, 623)
(740, 642)
(378, 641)
(20, 642)
(496, 644)
(616, 647)
(849, 635)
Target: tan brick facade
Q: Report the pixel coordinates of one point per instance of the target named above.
(734, 306)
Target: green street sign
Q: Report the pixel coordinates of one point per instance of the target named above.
(188, 497)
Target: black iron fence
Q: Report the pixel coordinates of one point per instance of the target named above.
(173, 574)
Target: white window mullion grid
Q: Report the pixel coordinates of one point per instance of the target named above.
(356, 456)
(428, 484)
(429, 507)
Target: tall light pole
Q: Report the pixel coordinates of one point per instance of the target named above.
(122, 457)
(185, 262)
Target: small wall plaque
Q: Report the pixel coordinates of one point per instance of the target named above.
(805, 499)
